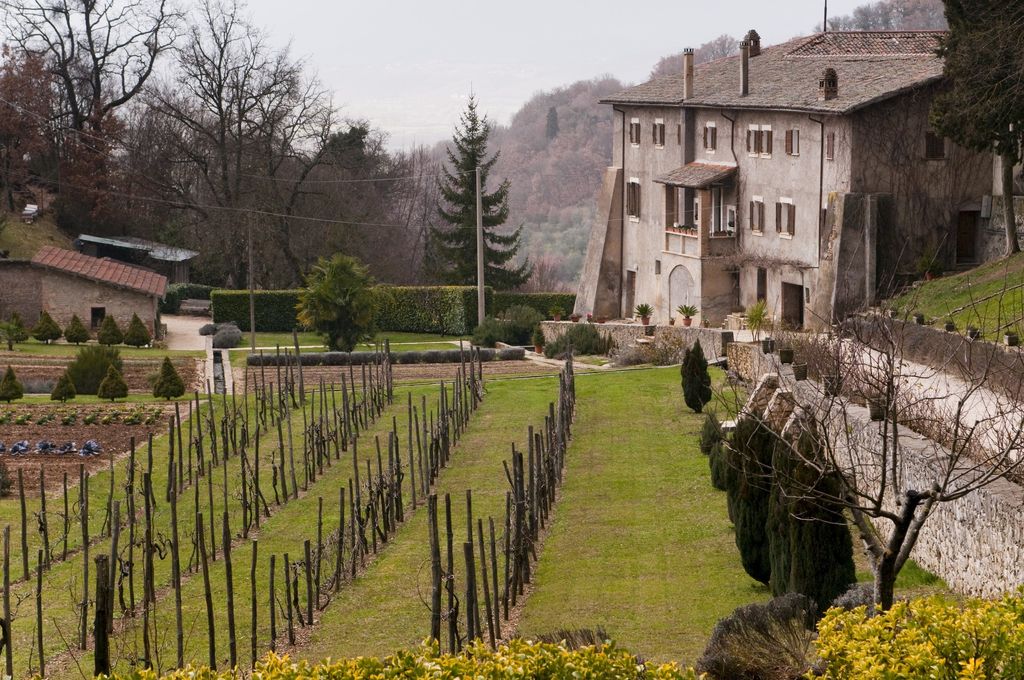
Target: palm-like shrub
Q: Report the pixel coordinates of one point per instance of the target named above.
(339, 303)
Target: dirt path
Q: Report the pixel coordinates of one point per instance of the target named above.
(183, 331)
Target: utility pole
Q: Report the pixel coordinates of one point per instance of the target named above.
(824, 24)
(252, 293)
(480, 306)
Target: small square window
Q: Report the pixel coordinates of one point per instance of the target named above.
(657, 266)
(934, 146)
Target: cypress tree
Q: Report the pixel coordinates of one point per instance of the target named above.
(113, 385)
(552, 123)
(10, 388)
(76, 331)
(821, 550)
(137, 335)
(695, 378)
(453, 249)
(719, 467)
(47, 329)
(110, 333)
(748, 491)
(64, 389)
(780, 520)
(169, 384)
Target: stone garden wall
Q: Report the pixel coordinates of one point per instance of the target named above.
(712, 340)
(975, 543)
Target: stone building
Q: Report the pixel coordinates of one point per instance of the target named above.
(65, 283)
(805, 174)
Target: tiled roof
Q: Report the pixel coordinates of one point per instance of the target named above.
(102, 269)
(872, 66)
(697, 175)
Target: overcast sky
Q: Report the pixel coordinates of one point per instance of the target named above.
(408, 65)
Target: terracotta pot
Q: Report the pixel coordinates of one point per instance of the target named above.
(928, 276)
(687, 321)
(672, 321)
(558, 317)
(538, 349)
(645, 320)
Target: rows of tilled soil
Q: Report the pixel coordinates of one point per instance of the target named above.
(402, 372)
(138, 373)
(114, 437)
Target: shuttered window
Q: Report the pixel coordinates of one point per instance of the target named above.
(793, 142)
(830, 146)
(634, 131)
(658, 133)
(710, 137)
(756, 218)
(633, 199)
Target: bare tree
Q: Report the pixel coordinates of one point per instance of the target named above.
(99, 52)
(723, 46)
(889, 483)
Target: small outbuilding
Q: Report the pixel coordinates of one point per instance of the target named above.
(171, 261)
(66, 283)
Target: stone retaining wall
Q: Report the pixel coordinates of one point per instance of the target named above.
(975, 543)
(712, 340)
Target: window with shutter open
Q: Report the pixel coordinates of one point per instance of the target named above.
(830, 146)
(633, 199)
(778, 217)
(791, 222)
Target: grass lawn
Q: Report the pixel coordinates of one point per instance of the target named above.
(992, 295)
(383, 610)
(641, 543)
(24, 240)
(61, 349)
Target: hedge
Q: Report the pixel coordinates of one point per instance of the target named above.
(176, 292)
(445, 310)
(542, 302)
(514, 660)
(431, 356)
(275, 309)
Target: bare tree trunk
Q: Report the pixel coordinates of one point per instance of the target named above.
(1011, 218)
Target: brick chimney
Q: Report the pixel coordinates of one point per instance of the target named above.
(754, 38)
(688, 73)
(828, 86)
(744, 68)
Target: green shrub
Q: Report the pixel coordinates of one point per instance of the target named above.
(113, 385)
(10, 388)
(90, 366)
(542, 302)
(933, 637)
(18, 331)
(748, 491)
(137, 334)
(445, 310)
(583, 338)
(76, 332)
(276, 310)
(64, 389)
(227, 337)
(696, 381)
(168, 384)
(710, 434)
(515, 659)
(47, 329)
(521, 320)
(719, 465)
(538, 336)
(339, 302)
(109, 333)
(176, 292)
(490, 332)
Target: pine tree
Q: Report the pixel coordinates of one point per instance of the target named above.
(453, 249)
(64, 389)
(137, 335)
(748, 496)
(113, 385)
(10, 388)
(780, 521)
(76, 331)
(110, 333)
(47, 329)
(19, 333)
(695, 378)
(168, 384)
(552, 123)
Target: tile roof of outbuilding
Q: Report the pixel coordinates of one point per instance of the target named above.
(872, 66)
(103, 270)
(697, 175)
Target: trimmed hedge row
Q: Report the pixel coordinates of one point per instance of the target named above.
(516, 659)
(275, 309)
(176, 292)
(431, 356)
(542, 302)
(446, 310)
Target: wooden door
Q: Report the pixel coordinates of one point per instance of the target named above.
(967, 236)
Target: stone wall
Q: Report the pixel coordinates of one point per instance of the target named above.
(712, 340)
(975, 543)
(19, 290)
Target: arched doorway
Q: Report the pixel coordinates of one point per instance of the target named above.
(681, 290)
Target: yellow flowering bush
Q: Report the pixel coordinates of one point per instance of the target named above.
(926, 638)
(517, 659)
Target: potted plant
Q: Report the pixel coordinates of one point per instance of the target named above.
(556, 313)
(538, 340)
(800, 371)
(757, 318)
(671, 321)
(786, 355)
(590, 318)
(575, 318)
(687, 312)
(950, 326)
(1010, 339)
(644, 311)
